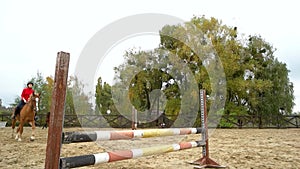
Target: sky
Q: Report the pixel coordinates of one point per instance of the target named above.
(32, 32)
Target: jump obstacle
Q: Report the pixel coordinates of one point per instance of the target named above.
(85, 160)
(106, 157)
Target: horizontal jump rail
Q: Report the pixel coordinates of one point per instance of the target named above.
(88, 136)
(106, 157)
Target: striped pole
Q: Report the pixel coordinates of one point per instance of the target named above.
(106, 157)
(72, 137)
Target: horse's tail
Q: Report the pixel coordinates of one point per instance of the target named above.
(13, 119)
(13, 125)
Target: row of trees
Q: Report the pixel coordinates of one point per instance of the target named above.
(257, 84)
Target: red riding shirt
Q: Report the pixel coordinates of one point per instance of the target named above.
(26, 93)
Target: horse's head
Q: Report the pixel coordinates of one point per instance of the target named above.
(34, 98)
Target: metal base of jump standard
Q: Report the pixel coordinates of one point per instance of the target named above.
(207, 163)
(56, 136)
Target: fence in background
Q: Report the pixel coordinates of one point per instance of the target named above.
(119, 121)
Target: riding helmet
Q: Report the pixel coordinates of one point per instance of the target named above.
(29, 83)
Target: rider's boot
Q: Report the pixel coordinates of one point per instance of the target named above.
(17, 111)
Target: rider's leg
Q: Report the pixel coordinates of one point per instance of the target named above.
(18, 109)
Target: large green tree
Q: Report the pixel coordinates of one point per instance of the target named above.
(253, 76)
(157, 83)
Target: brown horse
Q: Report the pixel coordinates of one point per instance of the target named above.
(26, 115)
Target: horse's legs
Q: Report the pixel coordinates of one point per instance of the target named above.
(32, 132)
(17, 135)
(20, 131)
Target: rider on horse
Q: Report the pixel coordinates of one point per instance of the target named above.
(24, 98)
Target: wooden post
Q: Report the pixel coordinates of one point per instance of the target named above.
(57, 111)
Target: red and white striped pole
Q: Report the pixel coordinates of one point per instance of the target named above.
(106, 157)
(75, 137)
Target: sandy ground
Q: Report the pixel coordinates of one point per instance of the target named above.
(234, 148)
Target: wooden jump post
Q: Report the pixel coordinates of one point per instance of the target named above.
(57, 111)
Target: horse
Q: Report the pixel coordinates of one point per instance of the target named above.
(26, 115)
